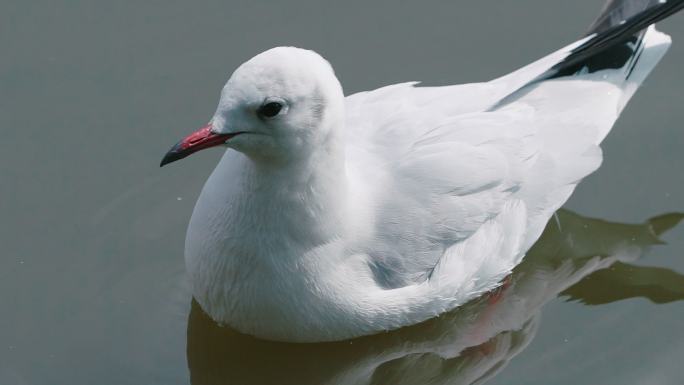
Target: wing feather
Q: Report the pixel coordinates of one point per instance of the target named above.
(449, 164)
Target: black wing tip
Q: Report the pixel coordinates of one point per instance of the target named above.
(618, 36)
(617, 12)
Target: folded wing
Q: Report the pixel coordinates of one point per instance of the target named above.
(470, 174)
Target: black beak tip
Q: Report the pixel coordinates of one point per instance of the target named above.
(174, 154)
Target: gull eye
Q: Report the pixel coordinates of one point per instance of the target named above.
(271, 108)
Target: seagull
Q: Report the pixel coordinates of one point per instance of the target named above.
(332, 217)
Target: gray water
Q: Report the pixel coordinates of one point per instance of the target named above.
(92, 285)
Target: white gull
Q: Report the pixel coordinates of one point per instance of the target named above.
(331, 217)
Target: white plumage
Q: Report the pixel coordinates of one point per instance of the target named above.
(341, 217)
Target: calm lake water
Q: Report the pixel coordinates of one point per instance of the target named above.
(92, 285)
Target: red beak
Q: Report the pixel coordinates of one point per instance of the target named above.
(198, 140)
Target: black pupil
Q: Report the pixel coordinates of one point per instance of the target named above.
(270, 110)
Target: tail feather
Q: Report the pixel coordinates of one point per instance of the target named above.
(654, 46)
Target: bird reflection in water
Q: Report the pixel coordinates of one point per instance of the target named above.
(578, 258)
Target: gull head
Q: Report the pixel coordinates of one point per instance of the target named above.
(283, 104)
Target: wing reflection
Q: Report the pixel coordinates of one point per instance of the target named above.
(582, 258)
